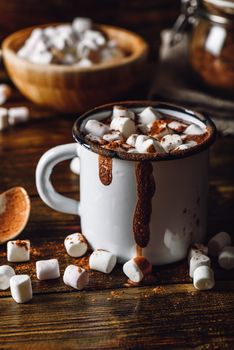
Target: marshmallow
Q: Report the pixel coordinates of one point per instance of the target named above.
(75, 165)
(159, 129)
(177, 126)
(102, 260)
(95, 36)
(131, 140)
(203, 278)
(5, 93)
(30, 43)
(45, 57)
(137, 268)
(120, 111)
(75, 245)
(150, 146)
(81, 24)
(75, 277)
(84, 62)
(196, 261)
(194, 129)
(123, 124)
(18, 251)
(6, 272)
(18, 115)
(169, 142)
(112, 137)
(94, 138)
(197, 248)
(3, 118)
(186, 145)
(148, 115)
(139, 140)
(96, 128)
(226, 258)
(21, 288)
(47, 269)
(218, 242)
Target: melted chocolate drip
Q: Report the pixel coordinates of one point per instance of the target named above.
(145, 192)
(105, 170)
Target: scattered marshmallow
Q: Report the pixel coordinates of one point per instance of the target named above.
(96, 128)
(5, 93)
(102, 260)
(170, 142)
(6, 272)
(18, 251)
(47, 269)
(75, 277)
(194, 129)
(18, 115)
(3, 118)
(123, 124)
(218, 242)
(226, 258)
(75, 165)
(120, 111)
(197, 248)
(137, 268)
(148, 115)
(196, 261)
(76, 245)
(203, 278)
(21, 288)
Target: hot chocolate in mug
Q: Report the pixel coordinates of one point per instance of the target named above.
(135, 204)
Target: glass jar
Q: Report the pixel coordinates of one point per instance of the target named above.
(211, 47)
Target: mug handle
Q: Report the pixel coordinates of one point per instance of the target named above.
(44, 186)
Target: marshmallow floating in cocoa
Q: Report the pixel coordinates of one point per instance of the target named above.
(75, 277)
(149, 131)
(14, 213)
(18, 251)
(47, 269)
(102, 260)
(6, 272)
(76, 245)
(21, 288)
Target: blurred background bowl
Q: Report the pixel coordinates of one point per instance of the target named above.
(70, 89)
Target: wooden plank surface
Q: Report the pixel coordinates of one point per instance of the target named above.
(166, 313)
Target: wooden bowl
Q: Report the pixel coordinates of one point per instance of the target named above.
(71, 89)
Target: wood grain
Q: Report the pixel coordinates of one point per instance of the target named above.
(178, 317)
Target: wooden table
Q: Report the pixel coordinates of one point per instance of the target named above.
(168, 313)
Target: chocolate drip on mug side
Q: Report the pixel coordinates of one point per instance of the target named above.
(105, 169)
(145, 192)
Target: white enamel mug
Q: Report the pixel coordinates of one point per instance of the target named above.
(178, 207)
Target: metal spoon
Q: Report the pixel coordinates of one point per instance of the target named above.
(14, 213)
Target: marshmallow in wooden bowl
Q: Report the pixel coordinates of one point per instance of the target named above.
(78, 43)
